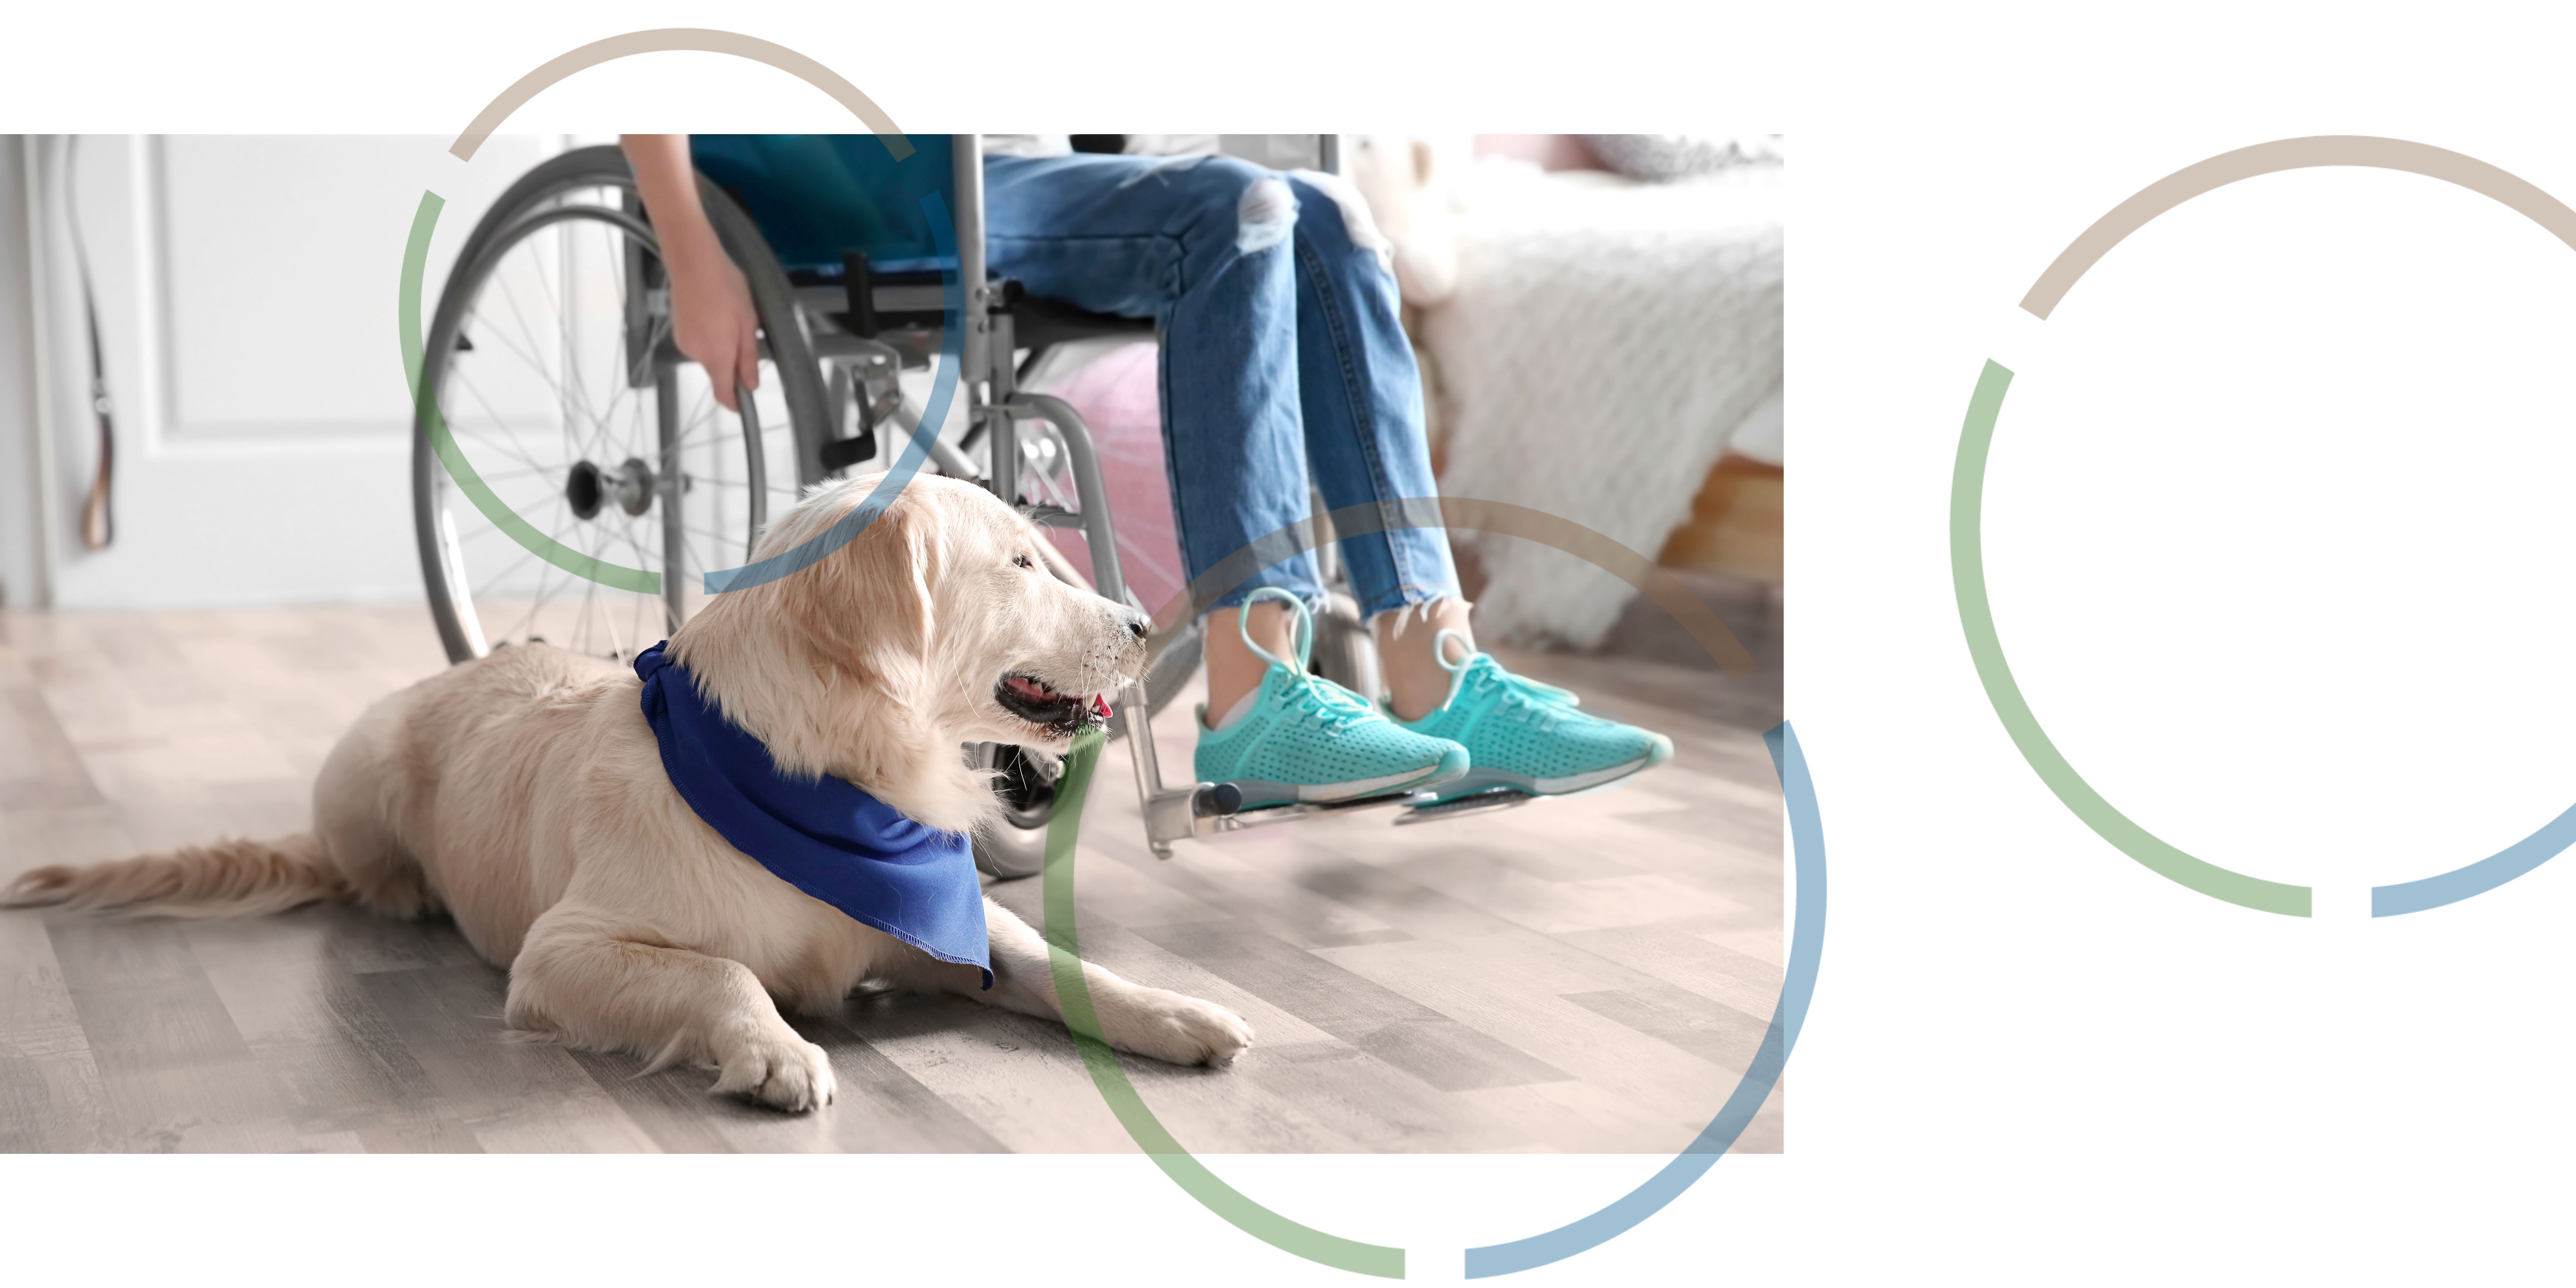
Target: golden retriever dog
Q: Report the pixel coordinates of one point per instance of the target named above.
(523, 794)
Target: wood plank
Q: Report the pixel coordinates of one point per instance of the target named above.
(174, 1073)
(1581, 975)
(1142, 961)
(1713, 1031)
(39, 769)
(1017, 1078)
(1376, 1106)
(1675, 955)
(885, 1110)
(515, 1096)
(50, 1101)
(1646, 1091)
(682, 1116)
(1395, 1029)
(338, 1066)
(877, 1108)
(1022, 1079)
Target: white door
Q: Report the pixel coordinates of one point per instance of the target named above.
(246, 292)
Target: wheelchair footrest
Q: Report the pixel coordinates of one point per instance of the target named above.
(1210, 808)
(1484, 802)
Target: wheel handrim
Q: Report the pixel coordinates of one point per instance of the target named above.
(567, 395)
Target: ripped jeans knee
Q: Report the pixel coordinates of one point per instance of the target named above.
(1264, 215)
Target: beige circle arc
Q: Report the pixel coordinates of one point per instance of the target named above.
(1967, 531)
(2291, 154)
(704, 40)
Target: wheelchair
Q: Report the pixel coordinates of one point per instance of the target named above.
(550, 359)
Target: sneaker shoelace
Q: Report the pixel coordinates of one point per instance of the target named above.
(1524, 699)
(1316, 700)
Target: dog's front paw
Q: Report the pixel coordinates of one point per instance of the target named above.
(1170, 1026)
(778, 1069)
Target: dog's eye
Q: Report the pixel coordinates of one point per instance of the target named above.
(1021, 561)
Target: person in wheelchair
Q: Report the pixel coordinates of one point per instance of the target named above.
(1282, 358)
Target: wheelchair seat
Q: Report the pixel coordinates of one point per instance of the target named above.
(819, 197)
(834, 207)
(835, 248)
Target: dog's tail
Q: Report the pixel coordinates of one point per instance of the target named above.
(235, 878)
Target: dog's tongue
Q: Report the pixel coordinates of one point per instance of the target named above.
(1100, 707)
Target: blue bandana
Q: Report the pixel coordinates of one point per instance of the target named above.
(825, 837)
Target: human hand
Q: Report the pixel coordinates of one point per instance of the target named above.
(712, 318)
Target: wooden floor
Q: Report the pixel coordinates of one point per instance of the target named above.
(1586, 975)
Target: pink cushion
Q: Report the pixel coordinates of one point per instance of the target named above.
(1547, 151)
(1117, 394)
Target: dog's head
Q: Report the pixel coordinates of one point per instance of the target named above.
(938, 625)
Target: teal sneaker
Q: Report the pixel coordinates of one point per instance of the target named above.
(1306, 738)
(1527, 736)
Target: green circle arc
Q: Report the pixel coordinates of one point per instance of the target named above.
(1967, 490)
(425, 412)
(1646, 1199)
(1977, 618)
(424, 223)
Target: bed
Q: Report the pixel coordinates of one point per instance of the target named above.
(1605, 342)
(1593, 346)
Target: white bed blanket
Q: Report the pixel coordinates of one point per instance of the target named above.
(1605, 341)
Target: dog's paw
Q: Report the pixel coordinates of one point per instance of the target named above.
(1173, 1027)
(780, 1070)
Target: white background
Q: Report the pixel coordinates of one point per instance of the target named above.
(2279, 550)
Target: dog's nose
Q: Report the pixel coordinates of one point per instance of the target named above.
(1138, 624)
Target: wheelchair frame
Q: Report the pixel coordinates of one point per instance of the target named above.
(863, 332)
(988, 381)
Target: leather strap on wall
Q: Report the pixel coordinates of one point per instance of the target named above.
(98, 514)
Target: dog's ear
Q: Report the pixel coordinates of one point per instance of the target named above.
(867, 606)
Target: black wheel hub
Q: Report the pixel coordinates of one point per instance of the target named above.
(584, 490)
(1028, 795)
(588, 488)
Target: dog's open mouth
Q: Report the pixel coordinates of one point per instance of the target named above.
(1061, 715)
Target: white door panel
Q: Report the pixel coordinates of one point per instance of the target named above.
(246, 295)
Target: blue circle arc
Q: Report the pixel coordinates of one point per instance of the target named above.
(2479, 877)
(1806, 830)
(1797, 988)
(934, 414)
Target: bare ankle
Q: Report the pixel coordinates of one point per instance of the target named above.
(1408, 641)
(1232, 669)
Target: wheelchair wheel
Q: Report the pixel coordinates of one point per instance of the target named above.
(1015, 846)
(549, 359)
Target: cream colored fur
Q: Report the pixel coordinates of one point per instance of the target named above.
(523, 794)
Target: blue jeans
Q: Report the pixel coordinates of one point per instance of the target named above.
(1281, 354)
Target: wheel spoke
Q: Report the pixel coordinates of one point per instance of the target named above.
(643, 558)
(492, 477)
(570, 402)
(589, 593)
(526, 332)
(571, 405)
(510, 444)
(636, 371)
(545, 574)
(516, 564)
(719, 538)
(565, 254)
(492, 331)
(604, 417)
